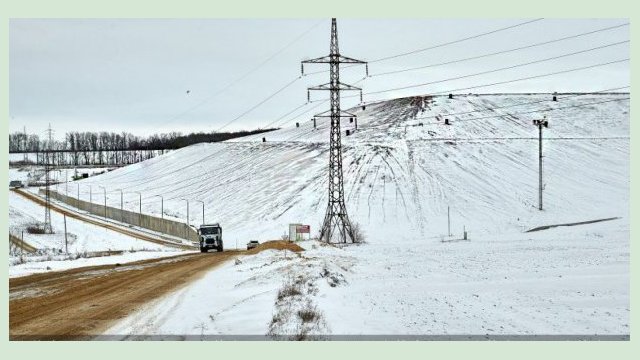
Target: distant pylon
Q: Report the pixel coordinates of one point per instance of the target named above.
(47, 182)
(336, 226)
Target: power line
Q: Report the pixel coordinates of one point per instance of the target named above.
(260, 103)
(537, 110)
(284, 116)
(242, 77)
(501, 69)
(538, 76)
(455, 41)
(440, 45)
(537, 101)
(500, 52)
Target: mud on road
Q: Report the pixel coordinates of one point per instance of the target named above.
(81, 303)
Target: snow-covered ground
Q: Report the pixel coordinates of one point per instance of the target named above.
(81, 238)
(52, 262)
(34, 173)
(403, 168)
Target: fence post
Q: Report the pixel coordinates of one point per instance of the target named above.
(66, 244)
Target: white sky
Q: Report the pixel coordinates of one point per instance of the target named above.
(133, 74)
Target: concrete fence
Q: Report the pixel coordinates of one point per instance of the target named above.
(165, 226)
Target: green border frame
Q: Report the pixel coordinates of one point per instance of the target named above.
(328, 8)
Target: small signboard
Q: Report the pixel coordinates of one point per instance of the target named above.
(303, 229)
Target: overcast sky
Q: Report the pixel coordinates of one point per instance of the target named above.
(147, 76)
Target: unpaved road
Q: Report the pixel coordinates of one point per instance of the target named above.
(117, 228)
(82, 303)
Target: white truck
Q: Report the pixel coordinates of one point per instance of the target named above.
(210, 237)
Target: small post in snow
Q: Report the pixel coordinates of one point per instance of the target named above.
(22, 243)
(66, 244)
(448, 222)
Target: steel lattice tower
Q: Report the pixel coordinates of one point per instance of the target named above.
(47, 182)
(336, 226)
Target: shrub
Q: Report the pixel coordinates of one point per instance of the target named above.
(35, 229)
(358, 233)
(288, 290)
(308, 315)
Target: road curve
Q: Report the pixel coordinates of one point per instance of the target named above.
(113, 227)
(81, 303)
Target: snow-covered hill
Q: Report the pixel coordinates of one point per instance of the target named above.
(403, 167)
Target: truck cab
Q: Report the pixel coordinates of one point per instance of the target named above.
(210, 237)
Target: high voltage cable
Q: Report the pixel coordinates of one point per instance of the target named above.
(242, 77)
(442, 44)
(502, 68)
(284, 116)
(461, 120)
(536, 102)
(260, 103)
(500, 52)
(501, 82)
(527, 112)
(455, 41)
(539, 76)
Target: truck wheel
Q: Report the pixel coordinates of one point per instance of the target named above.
(220, 248)
(203, 250)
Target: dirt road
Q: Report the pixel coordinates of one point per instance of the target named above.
(81, 303)
(113, 227)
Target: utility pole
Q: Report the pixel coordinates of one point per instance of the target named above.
(540, 123)
(336, 217)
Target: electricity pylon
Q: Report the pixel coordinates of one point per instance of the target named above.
(47, 182)
(336, 226)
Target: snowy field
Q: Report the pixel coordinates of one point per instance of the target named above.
(35, 173)
(81, 237)
(403, 168)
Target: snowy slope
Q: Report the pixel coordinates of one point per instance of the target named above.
(400, 176)
(403, 168)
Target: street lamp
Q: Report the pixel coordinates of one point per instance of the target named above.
(121, 205)
(161, 206)
(187, 200)
(186, 229)
(200, 201)
(105, 200)
(140, 212)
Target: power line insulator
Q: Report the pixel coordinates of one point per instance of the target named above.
(450, 96)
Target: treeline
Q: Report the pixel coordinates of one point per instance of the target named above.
(110, 141)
